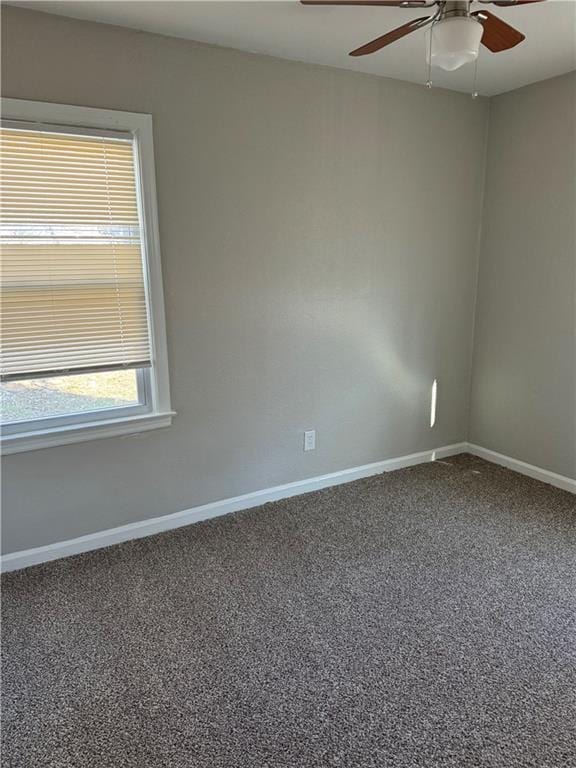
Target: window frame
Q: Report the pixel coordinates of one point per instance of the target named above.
(156, 411)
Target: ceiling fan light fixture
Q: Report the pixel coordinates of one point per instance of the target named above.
(455, 42)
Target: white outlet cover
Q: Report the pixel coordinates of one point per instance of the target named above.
(310, 440)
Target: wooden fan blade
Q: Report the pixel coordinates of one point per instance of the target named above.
(390, 37)
(392, 3)
(498, 36)
(509, 3)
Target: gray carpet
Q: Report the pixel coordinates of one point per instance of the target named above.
(420, 619)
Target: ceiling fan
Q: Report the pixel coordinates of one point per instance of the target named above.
(457, 31)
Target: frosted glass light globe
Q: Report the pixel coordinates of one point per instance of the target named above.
(455, 42)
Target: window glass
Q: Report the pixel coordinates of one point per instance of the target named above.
(27, 399)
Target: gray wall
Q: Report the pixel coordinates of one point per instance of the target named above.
(524, 381)
(319, 237)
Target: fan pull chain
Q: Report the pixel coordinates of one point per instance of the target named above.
(429, 80)
(475, 84)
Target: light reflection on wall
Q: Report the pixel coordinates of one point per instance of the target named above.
(433, 401)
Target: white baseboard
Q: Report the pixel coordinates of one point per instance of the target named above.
(25, 558)
(544, 475)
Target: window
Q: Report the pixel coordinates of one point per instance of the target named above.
(82, 335)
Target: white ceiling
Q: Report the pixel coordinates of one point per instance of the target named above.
(325, 35)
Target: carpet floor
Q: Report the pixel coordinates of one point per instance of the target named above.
(423, 618)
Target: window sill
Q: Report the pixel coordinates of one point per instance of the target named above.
(34, 441)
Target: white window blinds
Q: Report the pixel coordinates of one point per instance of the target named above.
(72, 283)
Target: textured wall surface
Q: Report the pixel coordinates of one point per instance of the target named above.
(319, 235)
(524, 382)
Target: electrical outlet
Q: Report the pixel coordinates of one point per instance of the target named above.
(310, 440)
